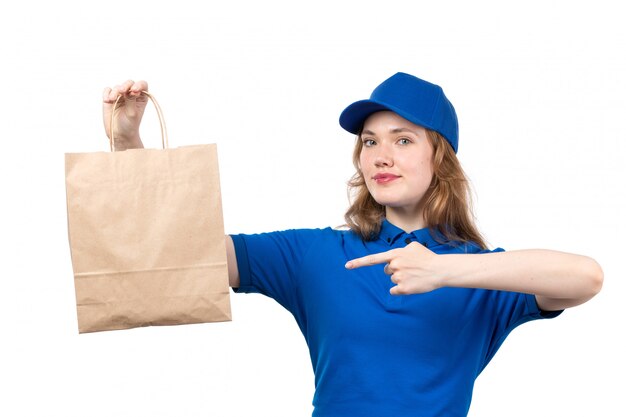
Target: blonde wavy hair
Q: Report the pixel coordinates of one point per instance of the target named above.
(448, 207)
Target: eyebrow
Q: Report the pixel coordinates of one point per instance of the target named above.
(396, 130)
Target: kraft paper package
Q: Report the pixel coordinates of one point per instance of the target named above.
(146, 236)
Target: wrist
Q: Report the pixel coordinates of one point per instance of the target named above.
(122, 143)
(444, 267)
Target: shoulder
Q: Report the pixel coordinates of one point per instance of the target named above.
(467, 247)
(303, 236)
(337, 232)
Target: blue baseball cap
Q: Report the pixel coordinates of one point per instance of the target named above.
(416, 100)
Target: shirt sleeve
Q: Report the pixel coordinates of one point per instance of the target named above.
(269, 263)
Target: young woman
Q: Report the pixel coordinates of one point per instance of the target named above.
(402, 311)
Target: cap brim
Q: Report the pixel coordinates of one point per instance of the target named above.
(353, 116)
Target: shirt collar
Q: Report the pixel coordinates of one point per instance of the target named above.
(391, 233)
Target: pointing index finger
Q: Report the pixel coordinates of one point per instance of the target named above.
(369, 260)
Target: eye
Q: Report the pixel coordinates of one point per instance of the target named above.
(368, 142)
(404, 141)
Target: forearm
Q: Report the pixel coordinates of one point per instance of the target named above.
(549, 274)
(233, 270)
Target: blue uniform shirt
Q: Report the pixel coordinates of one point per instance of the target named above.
(373, 353)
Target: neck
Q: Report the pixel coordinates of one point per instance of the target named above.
(406, 219)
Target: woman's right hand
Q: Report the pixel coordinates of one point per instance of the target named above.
(128, 113)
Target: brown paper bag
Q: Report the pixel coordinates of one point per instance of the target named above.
(146, 237)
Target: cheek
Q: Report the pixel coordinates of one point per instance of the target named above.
(423, 172)
(428, 173)
(364, 163)
(427, 169)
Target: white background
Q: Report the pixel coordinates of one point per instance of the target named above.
(540, 93)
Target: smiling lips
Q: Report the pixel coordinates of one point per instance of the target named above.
(385, 178)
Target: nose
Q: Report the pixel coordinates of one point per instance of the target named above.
(383, 157)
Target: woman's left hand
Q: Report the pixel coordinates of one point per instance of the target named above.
(413, 268)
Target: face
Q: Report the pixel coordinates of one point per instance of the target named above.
(396, 161)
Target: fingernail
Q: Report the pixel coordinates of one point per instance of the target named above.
(349, 265)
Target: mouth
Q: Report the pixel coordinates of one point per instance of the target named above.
(385, 178)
